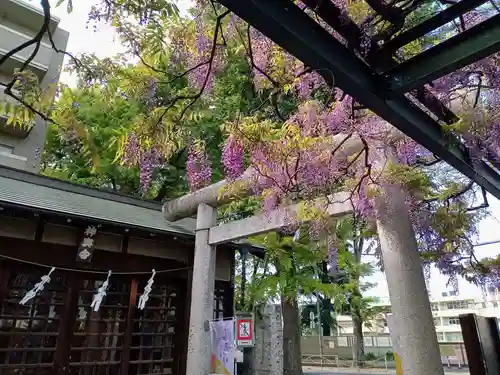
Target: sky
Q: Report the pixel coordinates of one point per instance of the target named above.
(489, 230)
(105, 43)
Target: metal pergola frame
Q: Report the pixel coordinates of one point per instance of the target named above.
(377, 81)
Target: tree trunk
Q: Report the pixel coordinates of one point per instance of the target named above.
(357, 321)
(326, 316)
(358, 345)
(292, 355)
(244, 255)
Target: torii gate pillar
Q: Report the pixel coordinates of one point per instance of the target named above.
(202, 295)
(410, 304)
(409, 299)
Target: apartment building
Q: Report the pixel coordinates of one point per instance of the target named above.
(446, 309)
(20, 21)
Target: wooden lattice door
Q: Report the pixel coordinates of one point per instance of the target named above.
(29, 333)
(97, 338)
(58, 333)
(120, 339)
(156, 335)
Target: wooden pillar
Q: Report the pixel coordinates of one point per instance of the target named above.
(482, 343)
(129, 328)
(61, 358)
(229, 291)
(4, 281)
(198, 355)
(183, 334)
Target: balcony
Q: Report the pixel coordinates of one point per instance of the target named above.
(4, 97)
(25, 14)
(12, 161)
(10, 39)
(15, 131)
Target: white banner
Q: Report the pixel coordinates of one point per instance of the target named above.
(222, 347)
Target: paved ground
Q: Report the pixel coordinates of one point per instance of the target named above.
(369, 373)
(351, 371)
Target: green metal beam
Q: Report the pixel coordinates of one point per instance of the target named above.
(455, 53)
(380, 63)
(418, 31)
(288, 26)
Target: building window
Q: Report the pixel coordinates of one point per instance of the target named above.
(457, 305)
(440, 336)
(454, 337)
(434, 306)
(437, 322)
(452, 321)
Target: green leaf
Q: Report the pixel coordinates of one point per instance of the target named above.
(7, 108)
(59, 2)
(69, 7)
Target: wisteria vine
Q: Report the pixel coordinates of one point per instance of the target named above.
(300, 156)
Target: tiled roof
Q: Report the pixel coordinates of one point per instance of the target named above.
(46, 194)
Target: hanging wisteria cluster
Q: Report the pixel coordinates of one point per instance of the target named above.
(148, 159)
(300, 155)
(233, 158)
(198, 166)
(295, 162)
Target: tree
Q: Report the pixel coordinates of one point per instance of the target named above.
(290, 270)
(362, 310)
(86, 154)
(116, 147)
(186, 78)
(293, 127)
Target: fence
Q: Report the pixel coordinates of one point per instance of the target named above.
(336, 351)
(333, 361)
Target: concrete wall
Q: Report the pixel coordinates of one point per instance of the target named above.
(18, 23)
(378, 345)
(338, 346)
(28, 17)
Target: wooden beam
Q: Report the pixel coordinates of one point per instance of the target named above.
(340, 205)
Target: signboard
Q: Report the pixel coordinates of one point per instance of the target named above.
(87, 245)
(222, 347)
(244, 330)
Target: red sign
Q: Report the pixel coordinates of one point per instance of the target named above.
(244, 331)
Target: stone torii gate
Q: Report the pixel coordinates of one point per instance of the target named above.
(419, 349)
